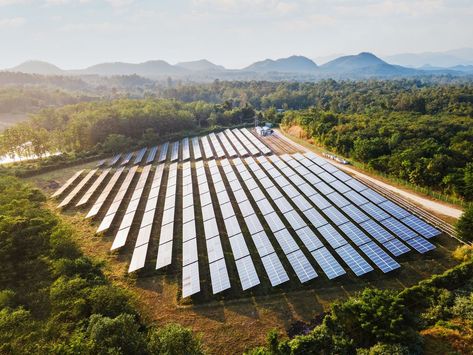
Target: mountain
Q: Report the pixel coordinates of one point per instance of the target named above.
(364, 64)
(200, 65)
(462, 56)
(152, 68)
(294, 64)
(37, 67)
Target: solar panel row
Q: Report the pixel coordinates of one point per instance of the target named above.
(245, 142)
(117, 201)
(167, 224)
(144, 234)
(217, 146)
(151, 155)
(126, 159)
(186, 154)
(86, 197)
(246, 269)
(163, 153)
(125, 225)
(239, 147)
(208, 154)
(68, 183)
(218, 269)
(105, 192)
(139, 156)
(226, 145)
(197, 154)
(253, 139)
(77, 188)
(190, 263)
(174, 151)
(114, 160)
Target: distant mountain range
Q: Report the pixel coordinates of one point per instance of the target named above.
(447, 59)
(362, 65)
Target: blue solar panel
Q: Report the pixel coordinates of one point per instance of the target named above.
(338, 199)
(332, 236)
(399, 229)
(354, 260)
(394, 209)
(355, 213)
(373, 196)
(328, 263)
(421, 227)
(374, 211)
(396, 247)
(356, 198)
(356, 235)
(420, 244)
(376, 231)
(379, 257)
(335, 216)
(303, 269)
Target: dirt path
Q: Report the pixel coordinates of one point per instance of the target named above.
(434, 206)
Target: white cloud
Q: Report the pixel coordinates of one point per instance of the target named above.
(103, 27)
(12, 2)
(120, 3)
(12, 22)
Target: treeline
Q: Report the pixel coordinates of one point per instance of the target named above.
(55, 300)
(110, 125)
(433, 317)
(434, 151)
(365, 97)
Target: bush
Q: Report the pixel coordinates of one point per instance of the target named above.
(174, 339)
(465, 225)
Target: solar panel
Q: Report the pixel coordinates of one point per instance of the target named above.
(376, 231)
(319, 201)
(373, 196)
(326, 177)
(163, 152)
(324, 188)
(261, 147)
(175, 151)
(151, 155)
(114, 160)
(294, 220)
(315, 218)
(78, 188)
(126, 159)
(355, 213)
(394, 209)
(164, 255)
(309, 239)
(189, 231)
(340, 175)
(274, 193)
(190, 280)
(138, 258)
(356, 198)
(396, 247)
(338, 199)
(332, 236)
(139, 156)
(226, 144)
(264, 206)
(303, 269)
(219, 276)
(301, 203)
(282, 204)
(356, 185)
(217, 146)
(276, 273)
(286, 241)
(257, 194)
(197, 154)
(374, 211)
(354, 260)
(262, 243)
(379, 257)
(214, 249)
(247, 272)
(68, 183)
(239, 147)
(210, 228)
(232, 226)
(328, 263)
(335, 216)
(253, 224)
(239, 247)
(420, 244)
(421, 227)
(355, 234)
(399, 229)
(245, 142)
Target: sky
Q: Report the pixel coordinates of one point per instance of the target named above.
(234, 33)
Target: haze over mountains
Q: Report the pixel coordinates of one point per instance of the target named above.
(362, 65)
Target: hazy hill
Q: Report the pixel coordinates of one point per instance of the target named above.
(462, 56)
(152, 68)
(200, 65)
(37, 67)
(365, 64)
(293, 64)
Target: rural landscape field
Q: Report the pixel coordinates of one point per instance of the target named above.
(319, 202)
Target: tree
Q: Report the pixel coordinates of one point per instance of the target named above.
(465, 225)
(173, 339)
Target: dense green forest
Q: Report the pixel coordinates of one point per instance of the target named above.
(55, 300)
(433, 317)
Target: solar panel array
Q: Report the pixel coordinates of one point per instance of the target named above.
(125, 225)
(167, 223)
(301, 202)
(190, 254)
(117, 201)
(218, 269)
(144, 234)
(246, 268)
